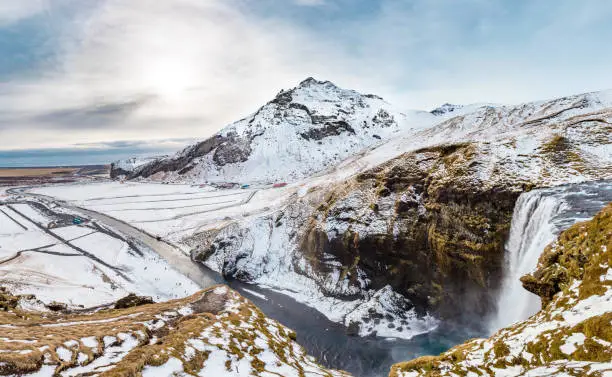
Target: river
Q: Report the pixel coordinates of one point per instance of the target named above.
(330, 344)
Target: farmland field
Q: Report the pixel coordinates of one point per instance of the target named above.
(35, 172)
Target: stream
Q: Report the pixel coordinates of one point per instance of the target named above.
(330, 344)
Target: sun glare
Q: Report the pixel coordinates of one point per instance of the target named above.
(169, 78)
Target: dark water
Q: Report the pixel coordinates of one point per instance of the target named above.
(333, 348)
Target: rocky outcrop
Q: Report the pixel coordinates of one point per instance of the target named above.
(423, 224)
(8, 301)
(127, 168)
(445, 109)
(571, 335)
(132, 300)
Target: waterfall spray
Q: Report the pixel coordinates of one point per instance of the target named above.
(531, 230)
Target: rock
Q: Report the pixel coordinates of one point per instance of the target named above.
(436, 239)
(353, 329)
(132, 300)
(7, 300)
(57, 306)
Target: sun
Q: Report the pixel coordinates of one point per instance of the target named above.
(170, 77)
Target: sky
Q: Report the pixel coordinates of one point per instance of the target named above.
(106, 79)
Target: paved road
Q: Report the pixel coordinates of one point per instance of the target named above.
(197, 272)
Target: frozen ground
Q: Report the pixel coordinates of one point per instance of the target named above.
(43, 253)
(170, 211)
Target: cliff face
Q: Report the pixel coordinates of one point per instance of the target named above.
(571, 335)
(215, 332)
(423, 224)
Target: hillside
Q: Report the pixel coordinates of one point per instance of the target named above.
(213, 332)
(571, 335)
(300, 132)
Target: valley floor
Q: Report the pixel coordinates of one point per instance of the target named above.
(170, 211)
(59, 254)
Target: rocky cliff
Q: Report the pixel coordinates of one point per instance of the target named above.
(571, 335)
(423, 224)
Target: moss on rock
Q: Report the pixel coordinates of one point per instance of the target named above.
(571, 335)
(439, 231)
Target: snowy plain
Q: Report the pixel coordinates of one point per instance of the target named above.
(82, 265)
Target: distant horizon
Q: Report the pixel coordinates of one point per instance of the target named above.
(96, 154)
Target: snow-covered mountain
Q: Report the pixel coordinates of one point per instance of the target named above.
(425, 214)
(445, 109)
(300, 132)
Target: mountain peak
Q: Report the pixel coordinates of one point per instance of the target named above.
(310, 81)
(445, 109)
(276, 143)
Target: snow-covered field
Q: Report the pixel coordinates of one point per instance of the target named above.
(43, 253)
(206, 208)
(171, 211)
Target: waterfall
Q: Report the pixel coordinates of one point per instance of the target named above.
(532, 229)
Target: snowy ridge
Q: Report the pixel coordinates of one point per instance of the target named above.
(524, 138)
(123, 167)
(445, 109)
(300, 132)
(487, 122)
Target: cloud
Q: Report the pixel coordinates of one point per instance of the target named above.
(99, 114)
(138, 69)
(200, 65)
(12, 11)
(90, 153)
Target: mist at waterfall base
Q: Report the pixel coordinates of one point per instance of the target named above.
(331, 345)
(539, 216)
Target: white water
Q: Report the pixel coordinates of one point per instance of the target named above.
(532, 229)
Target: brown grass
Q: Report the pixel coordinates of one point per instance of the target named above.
(35, 172)
(29, 338)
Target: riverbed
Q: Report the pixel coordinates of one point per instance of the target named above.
(334, 348)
